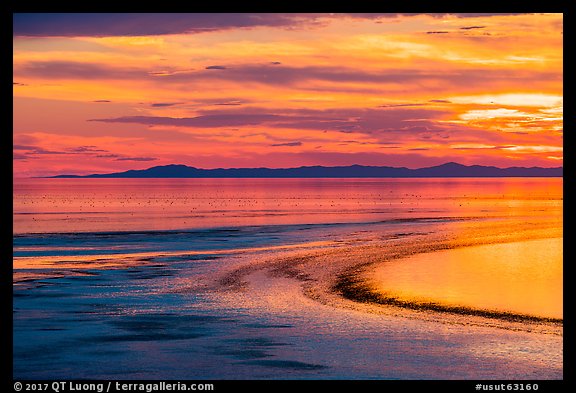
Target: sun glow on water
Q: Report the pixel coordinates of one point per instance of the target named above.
(520, 277)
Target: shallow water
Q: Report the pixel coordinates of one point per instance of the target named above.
(118, 278)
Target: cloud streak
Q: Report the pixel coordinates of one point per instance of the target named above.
(163, 104)
(140, 24)
(379, 123)
(77, 70)
(281, 75)
(207, 121)
(136, 159)
(287, 144)
(289, 76)
(86, 149)
(29, 150)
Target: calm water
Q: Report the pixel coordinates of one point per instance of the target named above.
(523, 277)
(108, 274)
(89, 205)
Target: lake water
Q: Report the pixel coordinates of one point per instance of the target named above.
(522, 277)
(89, 205)
(118, 278)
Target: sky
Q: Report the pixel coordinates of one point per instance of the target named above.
(101, 93)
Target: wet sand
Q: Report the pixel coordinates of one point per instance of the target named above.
(267, 313)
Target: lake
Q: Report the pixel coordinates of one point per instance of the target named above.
(236, 278)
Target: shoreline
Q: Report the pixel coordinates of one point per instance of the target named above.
(357, 290)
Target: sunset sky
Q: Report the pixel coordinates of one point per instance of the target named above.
(100, 93)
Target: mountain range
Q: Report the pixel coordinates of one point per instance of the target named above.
(450, 169)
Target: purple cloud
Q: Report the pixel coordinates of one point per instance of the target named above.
(34, 150)
(78, 70)
(136, 159)
(163, 104)
(216, 120)
(37, 150)
(86, 149)
(139, 24)
(387, 127)
(24, 147)
(215, 67)
(282, 75)
(373, 121)
(472, 27)
(101, 101)
(288, 144)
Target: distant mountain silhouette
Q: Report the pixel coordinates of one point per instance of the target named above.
(450, 169)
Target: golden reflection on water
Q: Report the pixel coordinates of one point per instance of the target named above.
(86, 205)
(520, 277)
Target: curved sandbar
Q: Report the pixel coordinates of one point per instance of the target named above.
(338, 274)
